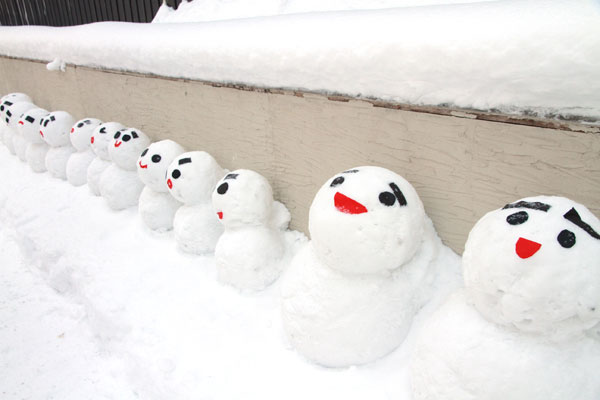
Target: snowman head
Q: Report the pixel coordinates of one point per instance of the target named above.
(192, 176)
(243, 198)
(7, 101)
(102, 136)
(126, 146)
(535, 264)
(29, 124)
(153, 163)
(366, 220)
(82, 131)
(55, 128)
(13, 112)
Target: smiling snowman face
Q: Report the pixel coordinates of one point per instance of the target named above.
(535, 264)
(153, 163)
(13, 113)
(29, 124)
(243, 198)
(102, 136)
(366, 220)
(55, 128)
(126, 146)
(192, 176)
(7, 101)
(82, 131)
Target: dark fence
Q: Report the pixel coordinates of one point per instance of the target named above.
(77, 12)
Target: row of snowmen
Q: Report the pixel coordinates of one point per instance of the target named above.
(526, 324)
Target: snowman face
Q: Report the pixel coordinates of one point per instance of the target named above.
(82, 131)
(55, 128)
(243, 198)
(366, 220)
(535, 264)
(192, 176)
(29, 124)
(126, 146)
(7, 101)
(153, 163)
(102, 136)
(13, 112)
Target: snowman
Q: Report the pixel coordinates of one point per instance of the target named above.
(527, 323)
(119, 183)
(81, 135)
(55, 128)
(156, 206)
(36, 148)
(374, 260)
(250, 253)
(6, 102)
(101, 137)
(191, 178)
(12, 114)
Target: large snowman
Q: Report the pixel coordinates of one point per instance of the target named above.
(101, 138)
(5, 103)
(250, 253)
(119, 183)
(55, 129)
(12, 135)
(156, 206)
(191, 178)
(36, 148)
(527, 324)
(81, 135)
(374, 260)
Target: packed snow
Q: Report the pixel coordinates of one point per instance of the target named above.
(538, 57)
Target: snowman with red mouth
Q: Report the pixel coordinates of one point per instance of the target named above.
(36, 148)
(12, 134)
(191, 178)
(55, 129)
(6, 114)
(250, 253)
(101, 138)
(119, 183)
(374, 260)
(156, 206)
(527, 324)
(79, 162)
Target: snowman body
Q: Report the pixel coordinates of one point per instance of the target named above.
(13, 135)
(250, 253)
(527, 324)
(156, 206)
(55, 129)
(35, 147)
(374, 260)
(79, 162)
(191, 178)
(101, 138)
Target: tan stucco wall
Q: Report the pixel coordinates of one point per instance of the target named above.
(462, 167)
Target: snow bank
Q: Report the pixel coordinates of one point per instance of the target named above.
(536, 56)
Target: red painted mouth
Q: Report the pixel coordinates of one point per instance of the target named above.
(42, 133)
(117, 143)
(21, 123)
(346, 205)
(72, 130)
(92, 140)
(143, 166)
(526, 248)
(220, 214)
(169, 184)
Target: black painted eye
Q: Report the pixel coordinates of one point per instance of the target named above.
(126, 138)
(176, 173)
(517, 218)
(134, 134)
(7, 120)
(223, 188)
(387, 198)
(30, 119)
(117, 134)
(79, 125)
(156, 158)
(2, 107)
(9, 113)
(337, 181)
(566, 239)
(144, 153)
(102, 130)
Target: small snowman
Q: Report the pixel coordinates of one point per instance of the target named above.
(119, 183)
(6, 102)
(55, 128)
(250, 253)
(374, 260)
(527, 324)
(81, 135)
(36, 148)
(191, 178)
(12, 114)
(101, 138)
(156, 206)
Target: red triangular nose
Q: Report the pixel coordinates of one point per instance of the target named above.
(526, 248)
(346, 205)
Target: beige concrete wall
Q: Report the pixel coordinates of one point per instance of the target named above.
(462, 167)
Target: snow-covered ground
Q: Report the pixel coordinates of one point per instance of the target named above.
(539, 57)
(95, 306)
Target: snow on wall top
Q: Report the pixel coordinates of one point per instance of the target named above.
(517, 56)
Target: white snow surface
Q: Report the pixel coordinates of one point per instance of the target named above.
(93, 305)
(539, 57)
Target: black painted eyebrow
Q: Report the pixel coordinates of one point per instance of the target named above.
(231, 176)
(8, 103)
(535, 205)
(398, 193)
(134, 134)
(185, 161)
(52, 118)
(573, 216)
(350, 171)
